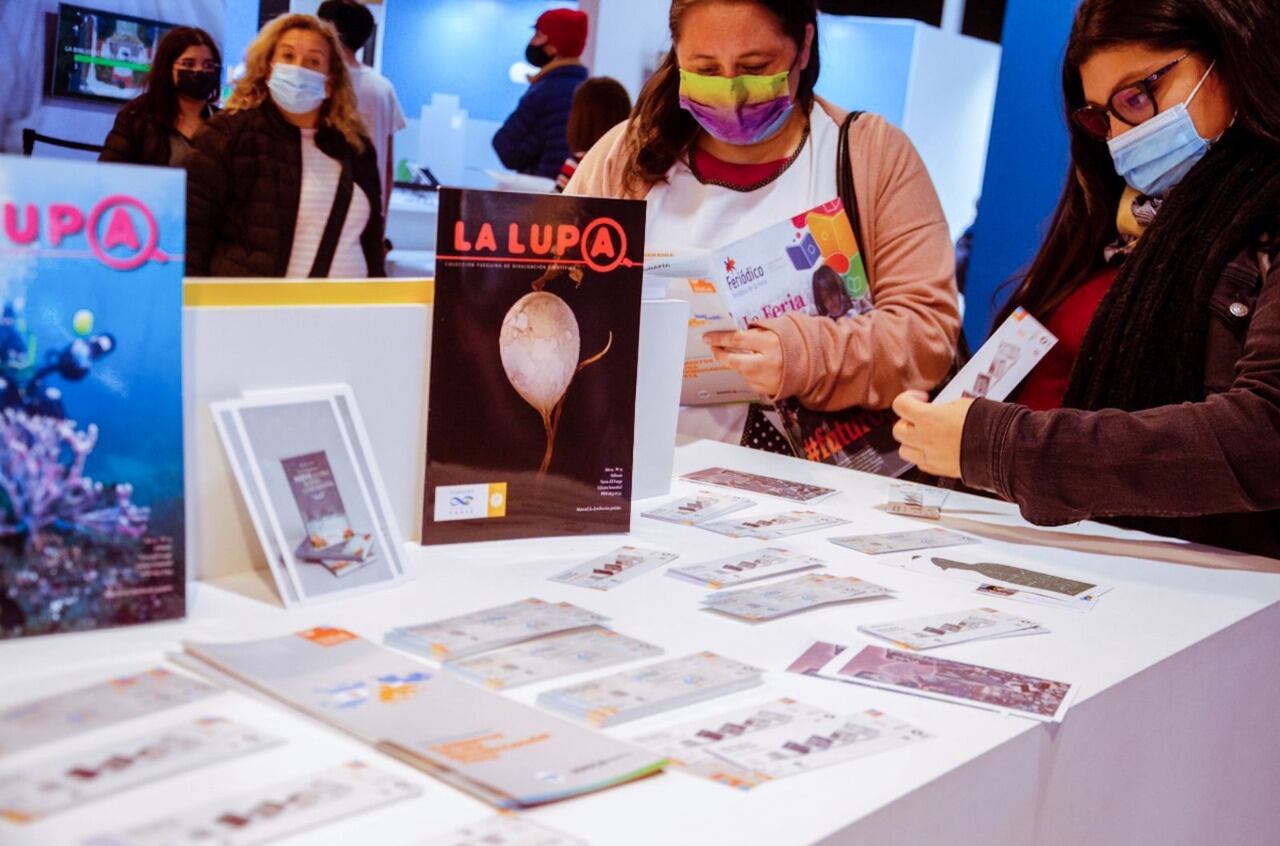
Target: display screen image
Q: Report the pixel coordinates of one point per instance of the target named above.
(103, 55)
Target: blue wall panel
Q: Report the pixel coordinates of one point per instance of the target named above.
(1028, 158)
(866, 64)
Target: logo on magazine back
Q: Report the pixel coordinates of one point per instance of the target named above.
(120, 231)
(736, 278)
(601, 245)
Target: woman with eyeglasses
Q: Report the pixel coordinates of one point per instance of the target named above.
(1160, 406)
(157, 126)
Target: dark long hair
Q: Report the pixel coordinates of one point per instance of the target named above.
(1240, 35)
(662, 133)
(160, 99)
(599, 104)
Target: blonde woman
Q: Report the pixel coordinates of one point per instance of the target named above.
(284, 182)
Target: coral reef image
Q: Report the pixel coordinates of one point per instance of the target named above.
(71, 547)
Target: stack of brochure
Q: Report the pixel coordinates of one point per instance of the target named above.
(652, 689)
(505, 753)
(699, 508)
(740, 569)
(552, 657)
(615, 568)
(769, 527)
(768, 602)
(957, 627)
(491, 628)
(1009, 581)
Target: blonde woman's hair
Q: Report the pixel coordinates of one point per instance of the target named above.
(338, 111)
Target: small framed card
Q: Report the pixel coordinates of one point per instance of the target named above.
(313, 491)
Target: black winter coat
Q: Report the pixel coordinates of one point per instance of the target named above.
(137, 137)
(243, 185)
(534, 139)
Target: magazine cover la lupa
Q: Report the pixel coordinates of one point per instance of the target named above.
(531, 404)
(91, 484)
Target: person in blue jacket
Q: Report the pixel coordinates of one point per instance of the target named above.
(534, 138)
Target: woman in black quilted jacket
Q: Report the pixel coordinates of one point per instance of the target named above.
(156, 127)
(284, 182)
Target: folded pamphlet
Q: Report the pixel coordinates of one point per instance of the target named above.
(722, 477)
(769, 527)
(887, 542)
(494, 748)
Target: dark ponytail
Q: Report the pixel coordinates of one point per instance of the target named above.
(661, 133)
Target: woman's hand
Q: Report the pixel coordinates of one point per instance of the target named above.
(755, 353)
(930, 435)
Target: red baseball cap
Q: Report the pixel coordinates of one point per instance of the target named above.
(566, 30)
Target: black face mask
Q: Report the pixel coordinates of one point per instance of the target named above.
(198, 85)
(537, 56)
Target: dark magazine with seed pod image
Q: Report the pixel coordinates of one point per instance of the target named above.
(531, 404)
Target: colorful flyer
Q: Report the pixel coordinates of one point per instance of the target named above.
(615, 568)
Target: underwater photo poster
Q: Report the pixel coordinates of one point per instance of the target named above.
(531, 406)
(91, 451)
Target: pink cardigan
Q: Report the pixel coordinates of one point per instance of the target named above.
(908, 340)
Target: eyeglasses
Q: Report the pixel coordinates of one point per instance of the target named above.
(192, 64)
(1133, 104)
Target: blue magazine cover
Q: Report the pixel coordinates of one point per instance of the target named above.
(91, 486)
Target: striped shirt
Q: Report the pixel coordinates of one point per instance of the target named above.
(320, 175)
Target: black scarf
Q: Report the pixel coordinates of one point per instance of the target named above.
(1146, 344)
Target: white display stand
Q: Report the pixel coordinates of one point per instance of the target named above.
(380, 349)
(251, 335)
(1171, 740)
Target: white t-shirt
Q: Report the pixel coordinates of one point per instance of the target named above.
(320, 175)
(377, 104)
(685, 214)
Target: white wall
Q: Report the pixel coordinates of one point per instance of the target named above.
(950, 103)
(625, 39)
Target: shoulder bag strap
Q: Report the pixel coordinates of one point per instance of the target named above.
(844, 182)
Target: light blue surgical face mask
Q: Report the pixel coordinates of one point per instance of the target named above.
(1155, 155)
(296, 89)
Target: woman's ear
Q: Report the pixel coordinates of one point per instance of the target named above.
(807, 51)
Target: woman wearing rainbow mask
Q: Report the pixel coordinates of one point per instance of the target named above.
(727, 139)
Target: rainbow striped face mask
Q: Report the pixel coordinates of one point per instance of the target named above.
(738, 110)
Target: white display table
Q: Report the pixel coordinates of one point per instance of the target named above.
(1171, 740)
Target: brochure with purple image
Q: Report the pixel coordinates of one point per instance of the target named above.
(954, 681)
(316, 493)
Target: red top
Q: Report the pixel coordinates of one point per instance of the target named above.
(712, 169)
(1047, 384)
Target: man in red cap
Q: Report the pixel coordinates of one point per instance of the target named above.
(533, 140)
